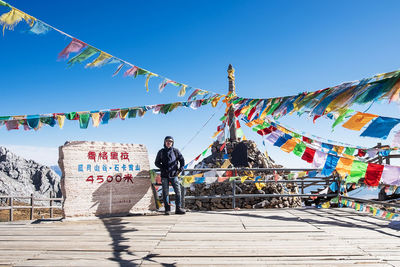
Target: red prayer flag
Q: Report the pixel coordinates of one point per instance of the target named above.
(316, 117)
(373, 174)
(308, 155)
(222, 147)
(361, 153)
(307, 140)
(237, 124)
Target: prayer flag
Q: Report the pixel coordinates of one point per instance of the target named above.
(299, 149)
(373, 174)
(319, 159)
(308, 155)
(290, 145)
(74, 46)
(391, 175)
(380, 127)
(330, 165)
(358, 171)
(13, 17)
(84, 120)
(39, 28)
(101, 60)
(344, 166)
(85, 54)
(358, 121)
(12, 125)
(60, 119)
(118, 69)
(95, 119)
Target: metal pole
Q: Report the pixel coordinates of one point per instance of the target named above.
(234, 194)
(11, 209)
(380, 160)
(231, 112)
(51, 205)
(183, 193)
(32, 210)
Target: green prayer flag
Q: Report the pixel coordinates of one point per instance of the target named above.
(299, 149)
(70, 116)
(84, 120)
(349, 151)
(85, 54)
(204, 152)
(221, 119)
(113, 114)
(4, 118)
(142, 72)
(132, 113)
(296, 135)
(342, 117)
(237, 100)
(358, 170)
(274, 107)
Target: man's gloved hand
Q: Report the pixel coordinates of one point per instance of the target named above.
(180, 170)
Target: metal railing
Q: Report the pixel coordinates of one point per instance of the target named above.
(32, 207)
(303, 182)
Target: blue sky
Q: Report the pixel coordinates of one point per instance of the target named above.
(277, 48)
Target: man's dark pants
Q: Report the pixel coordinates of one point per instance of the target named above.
(165, 190)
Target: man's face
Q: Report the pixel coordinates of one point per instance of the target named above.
(168, 143)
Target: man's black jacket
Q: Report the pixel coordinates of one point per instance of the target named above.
(167, 161)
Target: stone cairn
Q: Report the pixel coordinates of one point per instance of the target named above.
(256, 160)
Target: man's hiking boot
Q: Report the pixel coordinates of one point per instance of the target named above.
(180, 211)
(167, 212)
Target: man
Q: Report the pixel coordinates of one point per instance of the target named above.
(167, 161)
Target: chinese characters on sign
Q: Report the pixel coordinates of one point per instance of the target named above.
(109, 162)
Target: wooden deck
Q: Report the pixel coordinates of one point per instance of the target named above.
(293, 237)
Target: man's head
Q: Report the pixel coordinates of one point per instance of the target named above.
(168, 141)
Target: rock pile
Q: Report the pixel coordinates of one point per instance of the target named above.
(256, 159)
(21, 177)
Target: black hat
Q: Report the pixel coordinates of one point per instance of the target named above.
(168, 138)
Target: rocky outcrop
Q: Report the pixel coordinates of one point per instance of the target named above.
(21, 177)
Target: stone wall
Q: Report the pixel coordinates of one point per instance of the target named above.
(102, 179)
(256, 159)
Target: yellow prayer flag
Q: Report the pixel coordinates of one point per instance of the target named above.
(344, 166)
(11, 19)
(301, 174)
(243, 178)
(123, 113)
(338, 149)
(147, 80)
(326, 205)
(182, 92)
(358, 121)
(290, 144)
(259, 186)
(99, 60)
(226, 164)
(215, 101)
(244, 109)
(60, 119)
(96, 119)
(187, 181)
(244, 137)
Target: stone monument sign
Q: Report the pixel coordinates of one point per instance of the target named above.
(101, 179)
